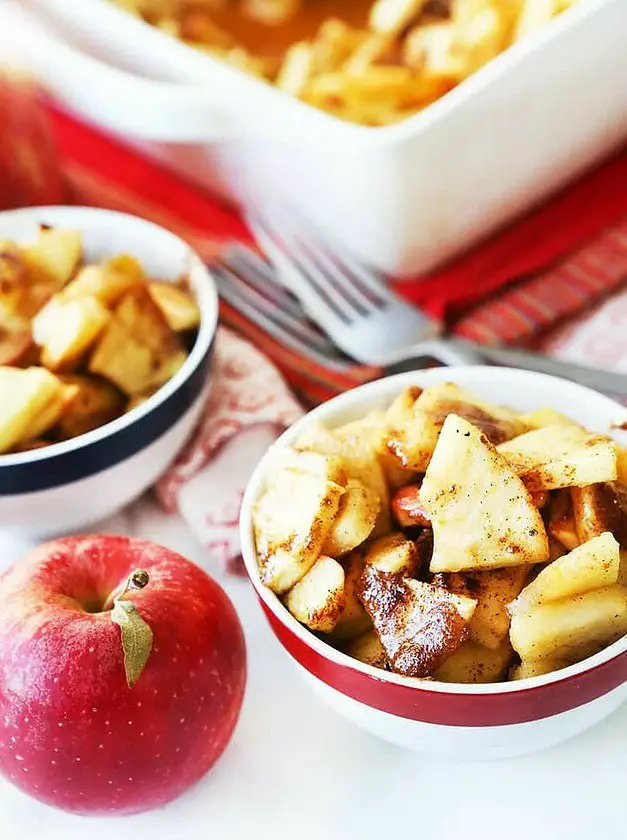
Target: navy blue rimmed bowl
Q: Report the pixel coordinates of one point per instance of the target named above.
(68, 486)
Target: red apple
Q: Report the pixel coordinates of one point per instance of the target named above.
(73, 733)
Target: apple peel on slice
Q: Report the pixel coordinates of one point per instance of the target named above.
(482, 515)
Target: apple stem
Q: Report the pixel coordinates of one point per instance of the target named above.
(136, 580)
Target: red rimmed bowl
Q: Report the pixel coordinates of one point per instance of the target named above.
(451, 720)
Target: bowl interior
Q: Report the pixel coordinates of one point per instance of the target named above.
(519, 389)
(163, 255)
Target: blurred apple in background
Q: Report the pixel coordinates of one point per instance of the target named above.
(122, 673)
(29, 168)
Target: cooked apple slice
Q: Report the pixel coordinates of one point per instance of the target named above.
(546, 417)
(481, 513)
(317, 599)
(30, 402)
(292, 518)
(107, 281)
(374, 428)
(137, 351)
(419, 625)
(65, 330)
(621, 464)
(355, 520)
(394, 554)
(354, 620)
(561, 456)
(561, 519)
(493, 591)
(368, 649)
(95, 402)
(599, 508)
(473, 663)
(593, 565)
(415, 437)
(179, 307)
(360, 461)
(535, 668)
(54, 255)
(573, 628)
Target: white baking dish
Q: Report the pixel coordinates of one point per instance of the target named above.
(404, 198)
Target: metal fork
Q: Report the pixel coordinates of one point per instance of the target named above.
(250, 284)
(366, 320)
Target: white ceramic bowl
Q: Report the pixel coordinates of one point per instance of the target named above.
(451, 720)
(70, 485)
(404, 198)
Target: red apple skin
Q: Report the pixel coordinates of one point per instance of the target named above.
(72, 733)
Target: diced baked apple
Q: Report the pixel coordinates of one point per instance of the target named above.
(561, 456)
(360, 460)
(394, 554)
(593, 565)
(137, 351)
(355, 519)
(54, 255)
(354, 620)
(598, 508)
(561, 520)
(481, 513)
(15, 346)
(546, 417)
(94, 403)
(292, 518)
(535, 668)
(368, 649)
(414, 440)
(573, 628)
(179, 307)
(373, 427)
(493, 591)
(318, 597)
(27, 397)
(52, 413)
(473, 663)
(107, 281)
(13, 282)
(66, 331)
(419, 625)
(621, 464)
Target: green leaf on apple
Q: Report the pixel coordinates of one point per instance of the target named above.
(136, 638)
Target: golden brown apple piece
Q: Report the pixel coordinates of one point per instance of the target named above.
(419, 625)
(414, 439)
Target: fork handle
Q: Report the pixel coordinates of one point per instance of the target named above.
(600, 380)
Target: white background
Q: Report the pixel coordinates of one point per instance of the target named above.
(297, 771)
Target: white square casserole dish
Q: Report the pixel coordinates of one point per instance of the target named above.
(404, 198)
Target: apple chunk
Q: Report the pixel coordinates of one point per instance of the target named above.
(482, 515)
(474, 663)
(419, 625)
(318, 597)
(572, 628)
(598, 508)
(355, 520)
(415, 436)
(561, 456)
(295, 514)
(593, 565)
(493, 590)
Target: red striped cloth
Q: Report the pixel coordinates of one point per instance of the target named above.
(549, 267)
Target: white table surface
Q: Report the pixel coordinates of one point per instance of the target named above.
(296, 771)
